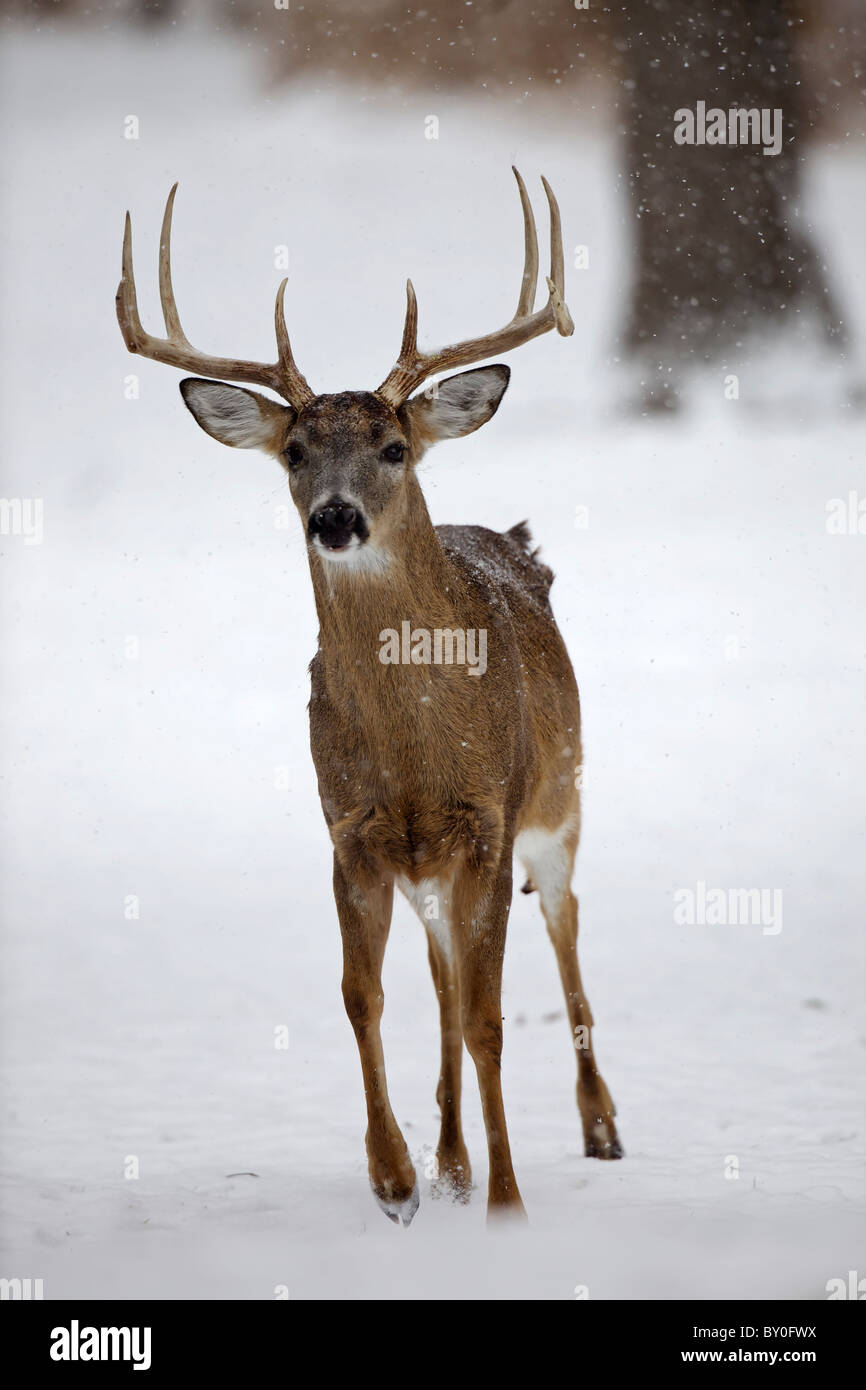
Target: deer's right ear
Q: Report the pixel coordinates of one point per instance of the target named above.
(237, 417)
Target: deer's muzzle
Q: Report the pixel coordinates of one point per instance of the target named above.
(337, 524)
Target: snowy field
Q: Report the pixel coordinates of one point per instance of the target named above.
(154, 729)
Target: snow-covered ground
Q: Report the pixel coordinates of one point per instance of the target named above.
(154, 674)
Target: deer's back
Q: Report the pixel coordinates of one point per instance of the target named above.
(508, 571)
(501, 559)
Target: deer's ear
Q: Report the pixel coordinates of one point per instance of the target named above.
(457, 406)
(237, 417)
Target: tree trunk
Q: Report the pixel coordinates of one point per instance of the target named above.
(719, 250)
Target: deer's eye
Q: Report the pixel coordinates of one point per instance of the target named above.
(394, 453)
(295, 455)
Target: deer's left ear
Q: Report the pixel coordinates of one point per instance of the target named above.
(237, 417)
(457, 406)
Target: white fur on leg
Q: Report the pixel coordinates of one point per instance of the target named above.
(431, 899)
(547, 859)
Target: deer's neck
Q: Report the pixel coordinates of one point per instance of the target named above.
(418, 585)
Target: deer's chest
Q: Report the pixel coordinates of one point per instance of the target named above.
(416, 785)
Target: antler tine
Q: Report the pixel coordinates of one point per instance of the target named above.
(530, 261)
(556, 279)
(298, 388)
(413, 367)
(409, 345)
(166, 292)
(126, 302)
(404, 375)
(175, 350)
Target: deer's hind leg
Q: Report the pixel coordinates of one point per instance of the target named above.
(548, 857)
(431, 901)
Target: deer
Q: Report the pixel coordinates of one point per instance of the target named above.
(432, 775)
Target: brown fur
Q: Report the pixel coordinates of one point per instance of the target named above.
(427, 773)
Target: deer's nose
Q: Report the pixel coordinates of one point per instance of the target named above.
(336, 523)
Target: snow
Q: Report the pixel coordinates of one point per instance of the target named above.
(154, 668)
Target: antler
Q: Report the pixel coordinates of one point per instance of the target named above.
(177, 351)
(414, 367)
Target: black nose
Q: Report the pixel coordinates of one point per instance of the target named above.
(336, 523)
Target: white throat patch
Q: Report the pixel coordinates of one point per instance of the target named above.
(359, 557)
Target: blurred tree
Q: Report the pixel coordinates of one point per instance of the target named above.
(491, 44)
(719, 245)
(720, 249)
(155, 10)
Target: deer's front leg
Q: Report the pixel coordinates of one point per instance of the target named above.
(365, 918)
(481, 917)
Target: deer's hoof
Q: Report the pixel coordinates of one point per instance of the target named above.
(604, 1142)
(505, 1215)
(453, 1183)
(400, 1213)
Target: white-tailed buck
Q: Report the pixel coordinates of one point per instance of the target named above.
(434, 769)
